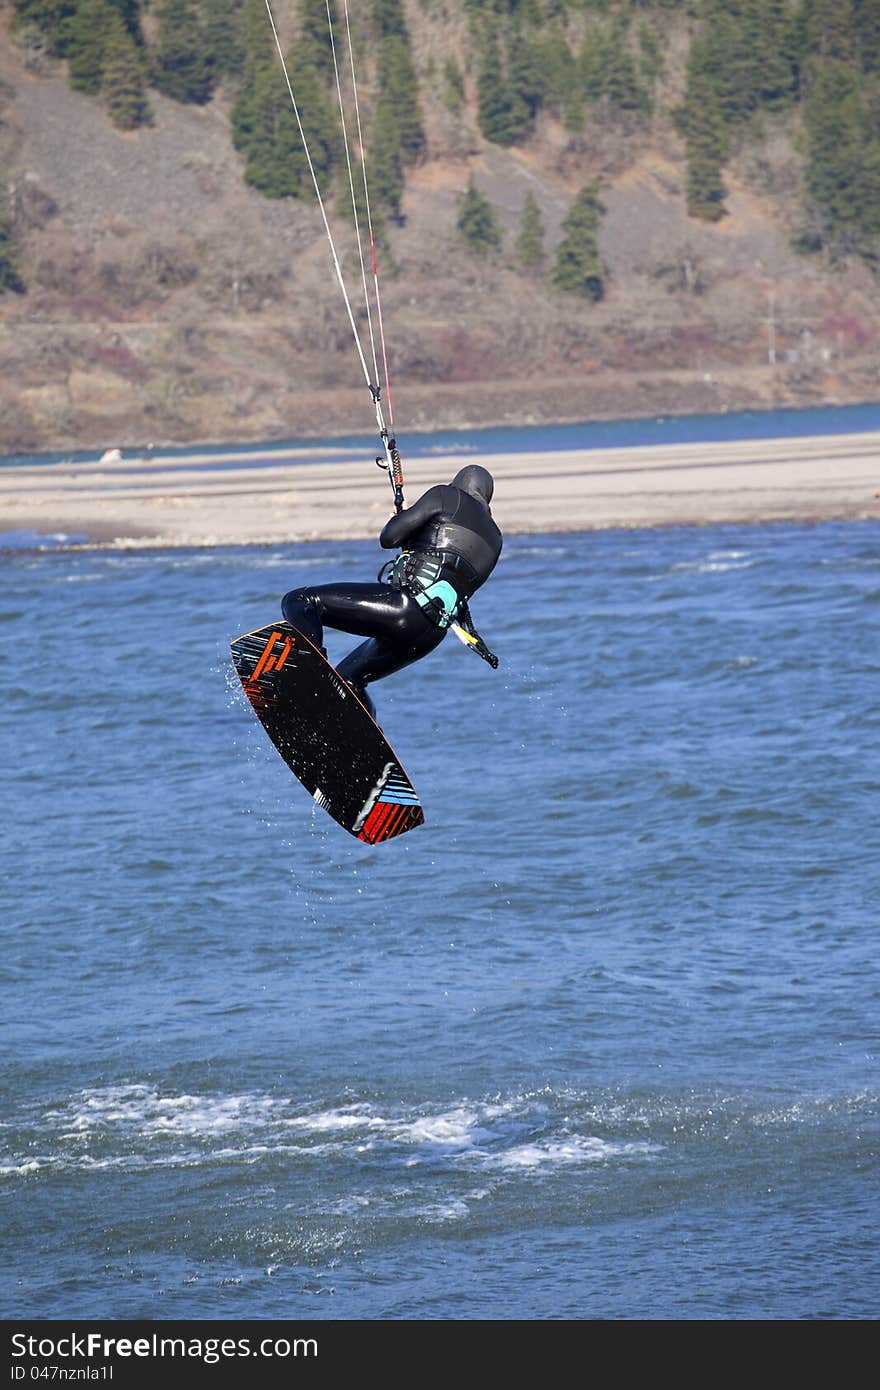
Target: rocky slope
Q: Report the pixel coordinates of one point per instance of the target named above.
(167, 302)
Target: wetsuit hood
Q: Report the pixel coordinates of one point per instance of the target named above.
(476, 482)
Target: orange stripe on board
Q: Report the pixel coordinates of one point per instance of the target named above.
(284, 655)
(265, 657)
(370, 823)
(382, 821)
(414, 816)
(394, 827)
(382, 827)
(388, 819)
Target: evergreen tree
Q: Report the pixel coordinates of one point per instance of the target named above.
(496, 114)
(273, 144)
(275, 159)
(476, 221)
(776, 53)
(746, 57)
(398, 136)
(10, 279)
(558, 71)
(259, 45)
(48, 16)
(181, 68)
(125, 90)
(707, 143)
(530, 242)
(578, 267)
(842, 203)
(259, 57)
(620, 81)
(223, 35)
(517, 68)
(866, 18)
(830, 29)
(316, 33)
(722, 59)
(525, 83)
(390, 20)
(749, 54)
(318, 114)
(400, 87)
(130, 14)
(128, 11)
(84, 39)
(386, 162)
(869, 206)
(591, 65)
(51, 17)
(835, 125)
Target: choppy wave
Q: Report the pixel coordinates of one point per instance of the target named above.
(137, 1127)
(716, 562)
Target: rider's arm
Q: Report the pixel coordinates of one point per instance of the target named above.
(404, 524)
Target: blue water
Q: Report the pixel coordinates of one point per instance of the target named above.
(597, 1041)
(790, 423)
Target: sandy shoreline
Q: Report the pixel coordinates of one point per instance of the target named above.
(206, 498)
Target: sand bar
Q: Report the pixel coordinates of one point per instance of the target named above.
(205, 499)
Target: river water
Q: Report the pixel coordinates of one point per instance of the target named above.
(598, 1041)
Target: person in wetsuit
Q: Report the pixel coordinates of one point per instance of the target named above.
(449, 546)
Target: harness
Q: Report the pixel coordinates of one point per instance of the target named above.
(424, 575)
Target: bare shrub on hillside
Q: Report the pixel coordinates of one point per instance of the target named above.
(35, 50)
(30, 205)
(169, 266)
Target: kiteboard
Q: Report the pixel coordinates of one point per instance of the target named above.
(325, 734)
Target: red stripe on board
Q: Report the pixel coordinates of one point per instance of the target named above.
(380, 811)
(393, 821)
(389, 818)
(402, 821)
(388, 809)
(369, 827)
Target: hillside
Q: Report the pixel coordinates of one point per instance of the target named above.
(167, 301)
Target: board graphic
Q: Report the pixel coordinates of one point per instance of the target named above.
(325, 735)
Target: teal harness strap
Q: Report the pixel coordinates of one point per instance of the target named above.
(441, 599)
(419, 575)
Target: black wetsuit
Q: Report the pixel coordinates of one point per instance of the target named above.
(451, 525)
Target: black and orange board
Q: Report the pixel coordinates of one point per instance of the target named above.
(325, 735)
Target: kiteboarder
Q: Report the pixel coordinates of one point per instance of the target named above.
(449, 541)
(449, 545)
